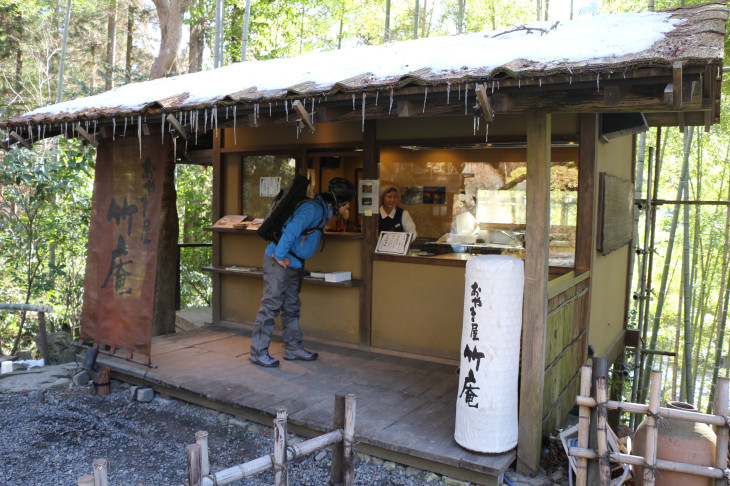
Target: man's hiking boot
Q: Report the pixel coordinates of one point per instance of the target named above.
(264, 360)
(300, 353)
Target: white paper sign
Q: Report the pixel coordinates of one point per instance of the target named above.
(269, 186)
(368, 197)
(393, 243)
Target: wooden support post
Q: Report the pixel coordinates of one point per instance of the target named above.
(302, 112)
(195, 476)
(721, 408)
(101, 382)
(336, 471)
(584, 419)
(100, 472)
(348, 439)
(601, 432)
(652, 429)
(534, 313)
(86, 480)
(201, 438)
(677, 84)
(280, 473)
(485, 103)
(43, 338)
(177, 126)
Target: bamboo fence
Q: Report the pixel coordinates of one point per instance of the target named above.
(654, 412)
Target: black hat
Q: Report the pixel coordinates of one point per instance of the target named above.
(342, 190)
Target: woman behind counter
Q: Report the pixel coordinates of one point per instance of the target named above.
(392, 217)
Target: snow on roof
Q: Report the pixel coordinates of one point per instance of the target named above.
(587, 44)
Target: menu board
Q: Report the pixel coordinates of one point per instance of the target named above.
(393, 243)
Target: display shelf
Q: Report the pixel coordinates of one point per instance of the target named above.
(258, 273)
(327, 234)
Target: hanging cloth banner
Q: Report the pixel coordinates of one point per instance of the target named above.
(121, 259)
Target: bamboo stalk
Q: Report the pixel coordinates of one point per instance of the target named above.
(280, 475)
(201, 438)
(348, 437)
(338, 422)
(661, 464)
(100, 468)
(602, 436)
(194, 471)
(721, 408)
(651, 429)
(671, 413)
(584, 419)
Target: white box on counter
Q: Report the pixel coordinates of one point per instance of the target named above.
(337, 276)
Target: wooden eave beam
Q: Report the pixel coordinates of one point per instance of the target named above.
(305, 117)
(485, 103)
(86, 136)
(177, 126)
(25, 143)
(677, 84)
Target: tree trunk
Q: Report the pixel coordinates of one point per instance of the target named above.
(170, 13)
(130, 42)
(386, 31)
(111, 44)
(197, 41)
(415, 20)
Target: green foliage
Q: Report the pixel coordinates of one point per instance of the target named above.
(194, 196)
(44, 220)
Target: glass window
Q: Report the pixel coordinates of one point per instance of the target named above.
(261, 175)
(474, 201)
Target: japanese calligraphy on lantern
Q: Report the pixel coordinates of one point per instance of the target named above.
(121, 267)
(471, 352)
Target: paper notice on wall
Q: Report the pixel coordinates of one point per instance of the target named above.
(367, 196)
(269, 186)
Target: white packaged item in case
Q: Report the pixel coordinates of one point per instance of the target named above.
(337, 276)
(486, 404)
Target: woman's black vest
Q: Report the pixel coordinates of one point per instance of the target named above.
(391, 224)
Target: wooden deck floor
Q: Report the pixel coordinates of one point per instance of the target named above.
(405, 407)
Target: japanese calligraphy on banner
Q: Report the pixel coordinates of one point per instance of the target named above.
(121, 260)
(486, 409)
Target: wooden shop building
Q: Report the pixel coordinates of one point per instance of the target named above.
(531, 158)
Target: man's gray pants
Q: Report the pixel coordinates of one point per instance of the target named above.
(281, 294)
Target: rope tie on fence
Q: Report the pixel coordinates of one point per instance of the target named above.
(727, 475)
(292, 450)
(279, 468)
(212, 477)
(727, 420)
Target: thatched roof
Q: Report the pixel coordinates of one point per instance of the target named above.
(531, 57)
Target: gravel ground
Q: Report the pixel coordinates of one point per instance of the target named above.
(52, 436)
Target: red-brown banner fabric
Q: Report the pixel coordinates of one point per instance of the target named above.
(121, 259)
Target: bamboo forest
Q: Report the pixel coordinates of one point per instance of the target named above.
(57, 50)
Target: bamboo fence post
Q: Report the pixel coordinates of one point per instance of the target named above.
(201, 438)
(652, 429)
(338, 422)
(86, 480)
(280, 474)
(348, 437)
(100, 468)
(195, 478)
(604, 465)
(584, 419)
(721, 408)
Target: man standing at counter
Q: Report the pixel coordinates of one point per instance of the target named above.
(284, 271)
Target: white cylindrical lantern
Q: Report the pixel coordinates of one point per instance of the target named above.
(486, 406)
